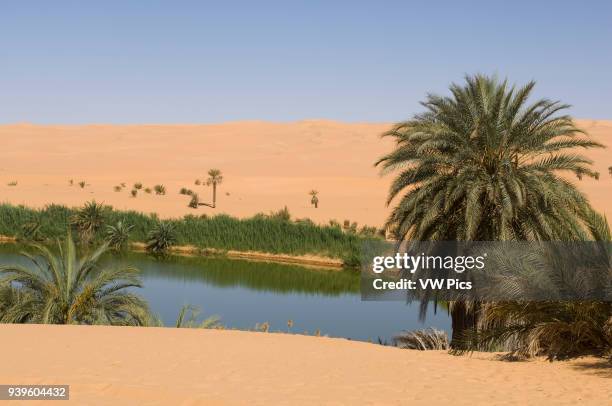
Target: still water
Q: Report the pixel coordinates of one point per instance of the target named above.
(243, 293)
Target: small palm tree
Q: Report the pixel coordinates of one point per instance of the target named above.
(195, 201)
(159, 189)
(117, 236)
(67, 289)
(188, 316)
(315, 199)
(214, 179)
(89, 219)
(161, 238)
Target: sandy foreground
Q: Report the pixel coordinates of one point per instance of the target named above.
(266, 166)
(164, 366)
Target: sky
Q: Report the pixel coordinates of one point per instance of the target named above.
(65, 62)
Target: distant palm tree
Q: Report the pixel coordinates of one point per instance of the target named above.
(483, 165)
(89, 219)
(67, 289)
(315, 200)
(214, 179)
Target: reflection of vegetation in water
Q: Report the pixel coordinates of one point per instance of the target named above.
(224, 272)
(261, 276)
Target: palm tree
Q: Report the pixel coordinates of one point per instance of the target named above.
(214, 178)
(483, 165)
(315, 200)
(68, 289)
(161, 238)
(556, 329)
(89, 219)
(117, 236)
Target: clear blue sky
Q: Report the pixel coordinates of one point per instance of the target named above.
(204, 61)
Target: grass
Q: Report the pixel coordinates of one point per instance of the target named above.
(275, 233)
(12, 183)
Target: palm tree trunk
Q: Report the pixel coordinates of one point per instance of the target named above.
(214, 195)
(464, 321)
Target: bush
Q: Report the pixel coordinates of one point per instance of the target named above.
(428, 339)
(159, 189)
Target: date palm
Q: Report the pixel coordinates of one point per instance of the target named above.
(70, 289)
(118, 235)
(484, 165)
(89, 219)
(214, 178)
(315, 199)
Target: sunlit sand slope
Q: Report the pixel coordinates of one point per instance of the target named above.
(154, 366)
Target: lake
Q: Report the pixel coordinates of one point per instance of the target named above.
(244, 293)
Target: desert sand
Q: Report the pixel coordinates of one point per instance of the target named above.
(266, 166)
(155, 366)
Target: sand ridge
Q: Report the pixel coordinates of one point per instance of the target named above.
(265, 165)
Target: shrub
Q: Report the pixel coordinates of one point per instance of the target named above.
(148, 190)
(428, 339)
(159, 189)
(82, 184)
(12, 183)
(198, 182)
(117, 188)
(194, 202)
(137, 185)
(134, 192)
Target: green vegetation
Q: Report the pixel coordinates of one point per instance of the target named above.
(68, 289)
(118, 235)
(484, 165)
(88, 220)
(161, 238)
(273, 233)
(188, 318)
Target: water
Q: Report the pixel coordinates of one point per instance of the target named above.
(244, 293)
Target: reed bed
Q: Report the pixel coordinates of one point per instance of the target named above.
(273, 233)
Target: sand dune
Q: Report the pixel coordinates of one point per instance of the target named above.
(129, 366)
(266, 166)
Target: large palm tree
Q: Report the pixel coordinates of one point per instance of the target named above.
(214, 178)
(68, 289)
(484, 165)
(582, 325)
